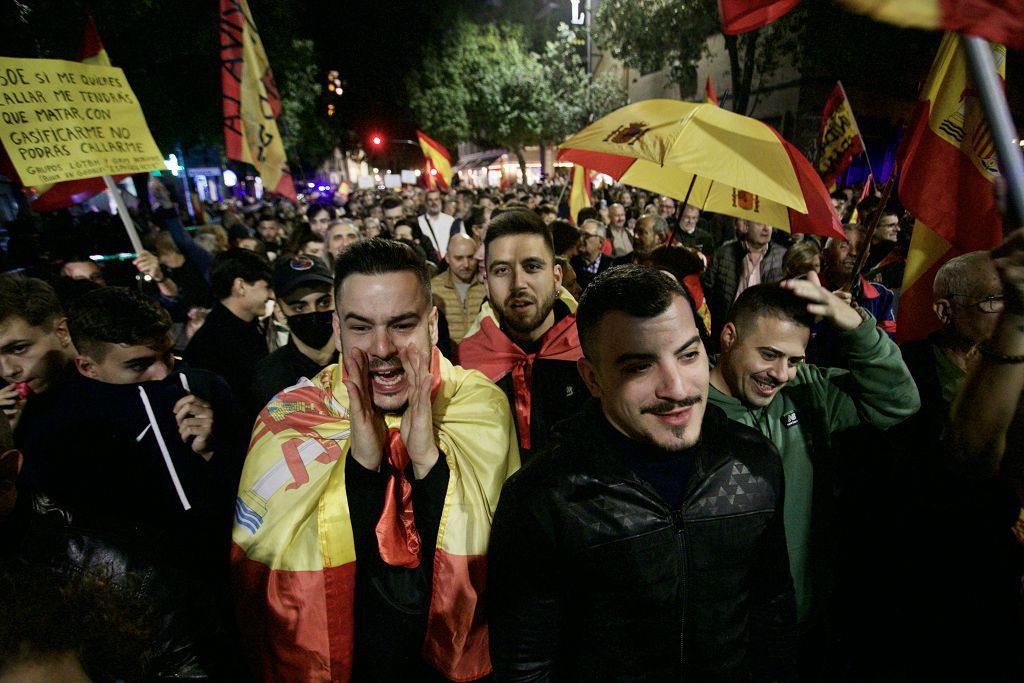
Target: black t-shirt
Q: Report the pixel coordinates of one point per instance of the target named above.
(228, 346)
(666, 471)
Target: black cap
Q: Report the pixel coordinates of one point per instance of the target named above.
(294, 271)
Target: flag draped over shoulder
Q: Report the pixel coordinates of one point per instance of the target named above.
(293, 554)
(839, 139)
(71, 192)
(580, 192)
(948, 162)
(438, 159)
(742, 16)
(252, 104)
(1001, 21)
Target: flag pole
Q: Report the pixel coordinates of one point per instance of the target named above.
(997, 113)
(122, 209)
(869, 235)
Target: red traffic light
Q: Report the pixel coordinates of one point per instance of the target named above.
(376, 140)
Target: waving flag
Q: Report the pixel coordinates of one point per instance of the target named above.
(743, 16)
(252, 104)
(579, 193)
(948, 163)
(839, 139)
(1000, 21)
(438, 159)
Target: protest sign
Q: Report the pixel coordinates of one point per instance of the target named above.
(68, 120)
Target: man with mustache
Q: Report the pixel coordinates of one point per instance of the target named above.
(645, 542)
(761, 380)
(364, 510)
(525, 337)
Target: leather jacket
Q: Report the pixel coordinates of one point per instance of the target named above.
(592, 576)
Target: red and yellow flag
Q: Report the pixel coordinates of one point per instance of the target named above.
(710, 96)
(252, 104)
(1001, 21)
(438, 159)
(948, 163)
(579, 193)
(742, 16)
(839, 139)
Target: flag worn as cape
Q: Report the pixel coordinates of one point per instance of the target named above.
(579, 193)
(839, 139)
(437, 158)
(487, 349)
(710, 96)
(70, 192)
(742, 16)
(1000, 21)
(293, 554)
(948, 162)
(252, 104)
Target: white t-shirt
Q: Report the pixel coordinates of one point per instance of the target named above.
(437, 229)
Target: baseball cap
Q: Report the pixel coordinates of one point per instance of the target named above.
(294, 271)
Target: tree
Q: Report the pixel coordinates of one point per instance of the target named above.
(580, 97)
(655, 34)
(480, 85)
(307, 137)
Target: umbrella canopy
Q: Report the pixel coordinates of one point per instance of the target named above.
(712, 158)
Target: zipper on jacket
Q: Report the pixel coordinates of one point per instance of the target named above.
(677, 520)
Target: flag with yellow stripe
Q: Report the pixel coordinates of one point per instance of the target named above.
(580, 192)
(948, 164)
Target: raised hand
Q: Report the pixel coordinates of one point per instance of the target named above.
(823, 303)
(195, 419)
(418, 421)
(366, 441)
(11, 402)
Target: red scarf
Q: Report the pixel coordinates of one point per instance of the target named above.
(495, 355)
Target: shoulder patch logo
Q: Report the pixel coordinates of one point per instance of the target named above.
(790, 419)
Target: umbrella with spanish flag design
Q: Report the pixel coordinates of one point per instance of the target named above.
(711, 158)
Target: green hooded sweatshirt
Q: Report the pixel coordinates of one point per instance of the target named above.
(876, 390)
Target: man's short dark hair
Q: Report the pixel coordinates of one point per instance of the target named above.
(564, 234)
(235, 263)
(377, 256)
(116, 315)
(769, 300)
(29, 298)
(313, 209)
(544, 209)
(587, 213)
(518, 222)
(638, 291)
(390, 203)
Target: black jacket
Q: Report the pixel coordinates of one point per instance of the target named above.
(592, 576)
(230, 347)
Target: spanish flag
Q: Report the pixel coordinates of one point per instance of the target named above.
(252, 104)
(579, 194)
(839, 139)
(1000, 21)
(948, 162)
(438, 159)
(293, 553)
(71, 192)
(710, 96)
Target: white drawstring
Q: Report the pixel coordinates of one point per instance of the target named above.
(163, 449)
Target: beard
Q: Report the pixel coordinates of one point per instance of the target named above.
(526, 323)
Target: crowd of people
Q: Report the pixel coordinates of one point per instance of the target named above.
(428, 435)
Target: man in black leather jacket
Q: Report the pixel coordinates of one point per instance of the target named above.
(646, 541)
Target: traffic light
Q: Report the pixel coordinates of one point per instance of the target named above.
(377, 141)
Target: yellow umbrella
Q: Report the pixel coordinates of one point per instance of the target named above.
(711, 158)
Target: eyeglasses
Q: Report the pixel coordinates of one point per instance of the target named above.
(990, 304)
(588, 235)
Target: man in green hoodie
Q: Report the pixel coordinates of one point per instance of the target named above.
(760, 380)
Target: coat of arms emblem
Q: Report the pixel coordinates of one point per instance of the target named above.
(629, 134)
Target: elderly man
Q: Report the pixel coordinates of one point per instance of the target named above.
(589, 260)
(364, 510)
(618, 231)
(689, 235)
(646, 541)
(340, 235)
(435, 225)
(649, 233)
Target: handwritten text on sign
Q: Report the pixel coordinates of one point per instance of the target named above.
(66, 120)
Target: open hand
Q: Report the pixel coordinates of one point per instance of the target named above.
(418, 421)
(195, 420)
(823, 303)
(368, 430)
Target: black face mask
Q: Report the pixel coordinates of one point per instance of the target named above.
(313, 329)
